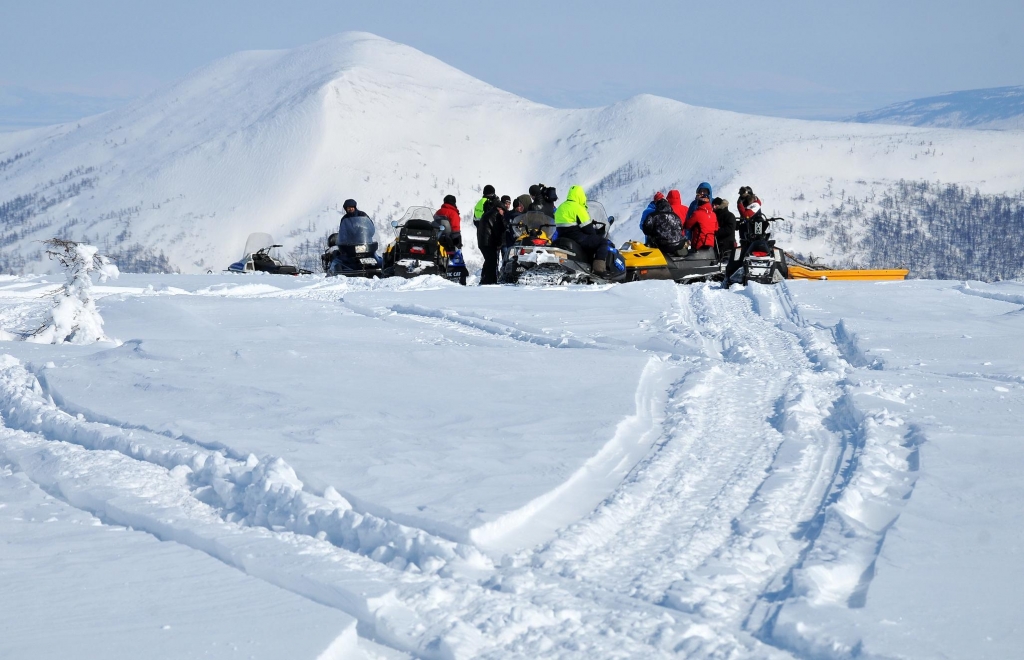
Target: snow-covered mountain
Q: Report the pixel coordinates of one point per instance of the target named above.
(276, 140)
(994, 108)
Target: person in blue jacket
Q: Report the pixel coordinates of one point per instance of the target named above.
(651, 207)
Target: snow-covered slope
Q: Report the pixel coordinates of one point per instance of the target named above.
(994, 108)
(276, 140)
(814, 470)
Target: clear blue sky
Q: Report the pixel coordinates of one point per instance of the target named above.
(800, 58)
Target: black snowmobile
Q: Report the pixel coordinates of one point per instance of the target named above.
(259, 256)
(417, 249)
(351, 251)
(541, 256)
(757, 259)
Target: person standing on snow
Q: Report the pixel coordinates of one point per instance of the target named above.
(490, 235)
(572, 220)
(701, 221)
(726, 234)
(450, 212)
(478, 210)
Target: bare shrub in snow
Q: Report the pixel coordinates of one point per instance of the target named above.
(74, 318)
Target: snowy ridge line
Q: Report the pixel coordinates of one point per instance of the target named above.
(262, 492)
(427, 615)
(873, 478)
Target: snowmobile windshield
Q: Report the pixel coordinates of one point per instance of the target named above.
(256, 242)
(357, 230)
(534, 220)
(417, 213)
(597, 212)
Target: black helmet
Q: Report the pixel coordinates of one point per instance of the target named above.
(349, 203)
(550, 194)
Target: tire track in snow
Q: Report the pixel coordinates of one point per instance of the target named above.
(147, 484)
(704, 523)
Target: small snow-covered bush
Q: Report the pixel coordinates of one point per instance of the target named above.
(74, 318)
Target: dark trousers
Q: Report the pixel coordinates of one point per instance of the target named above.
(489, 273)
(588, 239)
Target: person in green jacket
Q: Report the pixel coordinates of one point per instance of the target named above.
(572, 220)
(478, 210)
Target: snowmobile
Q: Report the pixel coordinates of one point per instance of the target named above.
(417, 249)
(647, 262)
(351, 251)
(456, 270)
(540, 256)
(259, 256)
(757, 259)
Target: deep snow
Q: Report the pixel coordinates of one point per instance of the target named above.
(816, 469)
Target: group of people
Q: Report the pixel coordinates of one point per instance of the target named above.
(671, 226)
(495, 217)
(698, 228)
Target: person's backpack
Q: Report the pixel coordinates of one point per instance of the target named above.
(664, 226)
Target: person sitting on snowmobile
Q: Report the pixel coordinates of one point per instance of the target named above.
(746, 198)
(676, 200)
(519, 206)
(701, 221)
(650, 207)
(572, 220)
(490, 235)
(664, 229)
(450, 212)
(726, 234)
(478, 210)
(544, 198)
(351, 210)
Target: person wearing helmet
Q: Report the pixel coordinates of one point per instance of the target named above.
(746, 198)
(572, 220)
(544, 198)
(351, 209)
(490, 236)
(700, 220)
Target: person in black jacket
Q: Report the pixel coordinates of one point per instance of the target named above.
(726, 234)
(490, 235)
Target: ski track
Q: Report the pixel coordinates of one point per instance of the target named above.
(698, 551)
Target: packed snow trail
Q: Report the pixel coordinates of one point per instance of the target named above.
(763, 453)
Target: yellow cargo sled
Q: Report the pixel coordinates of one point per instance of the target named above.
(803, 273)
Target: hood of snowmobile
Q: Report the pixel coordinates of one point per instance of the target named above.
(638, 255)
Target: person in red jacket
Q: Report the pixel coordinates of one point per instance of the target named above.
(747, 197)
(676, 200)
(701, 221)
(450, 212)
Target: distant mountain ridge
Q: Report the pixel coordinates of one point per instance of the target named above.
(275, 141)
(994, 108)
